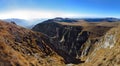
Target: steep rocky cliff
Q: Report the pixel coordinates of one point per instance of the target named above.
(62, 44)
(71, 38)
(77, 39)
(106, 52)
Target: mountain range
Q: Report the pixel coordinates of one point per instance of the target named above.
(25, 23)
(61, 42)
(31, 23)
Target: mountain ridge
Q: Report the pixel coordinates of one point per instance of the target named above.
(20, 46)
(23, 22)
(60, 43)
(78, 39)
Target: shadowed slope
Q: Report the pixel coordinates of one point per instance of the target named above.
(76, 39)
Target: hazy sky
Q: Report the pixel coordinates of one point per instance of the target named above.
(30, 9)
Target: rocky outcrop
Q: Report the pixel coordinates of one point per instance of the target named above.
(106, 51)
(65, 36)
(94, 44)
(60, 35)
(74, 40)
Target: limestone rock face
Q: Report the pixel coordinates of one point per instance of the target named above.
(106, 51)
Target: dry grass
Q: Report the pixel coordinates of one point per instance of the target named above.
(105, 56)
(18, 47)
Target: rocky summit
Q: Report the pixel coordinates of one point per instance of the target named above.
(60, 42)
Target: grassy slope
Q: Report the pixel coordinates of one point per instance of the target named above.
(19, 47)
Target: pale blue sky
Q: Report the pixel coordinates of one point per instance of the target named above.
(55, 8)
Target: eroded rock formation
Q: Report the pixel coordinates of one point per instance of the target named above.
(60, 44)
(75, 40)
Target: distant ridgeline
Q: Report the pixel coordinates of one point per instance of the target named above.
(101, 19)
(59, 19)
(70, 20)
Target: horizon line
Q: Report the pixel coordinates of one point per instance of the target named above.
(41, 14)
